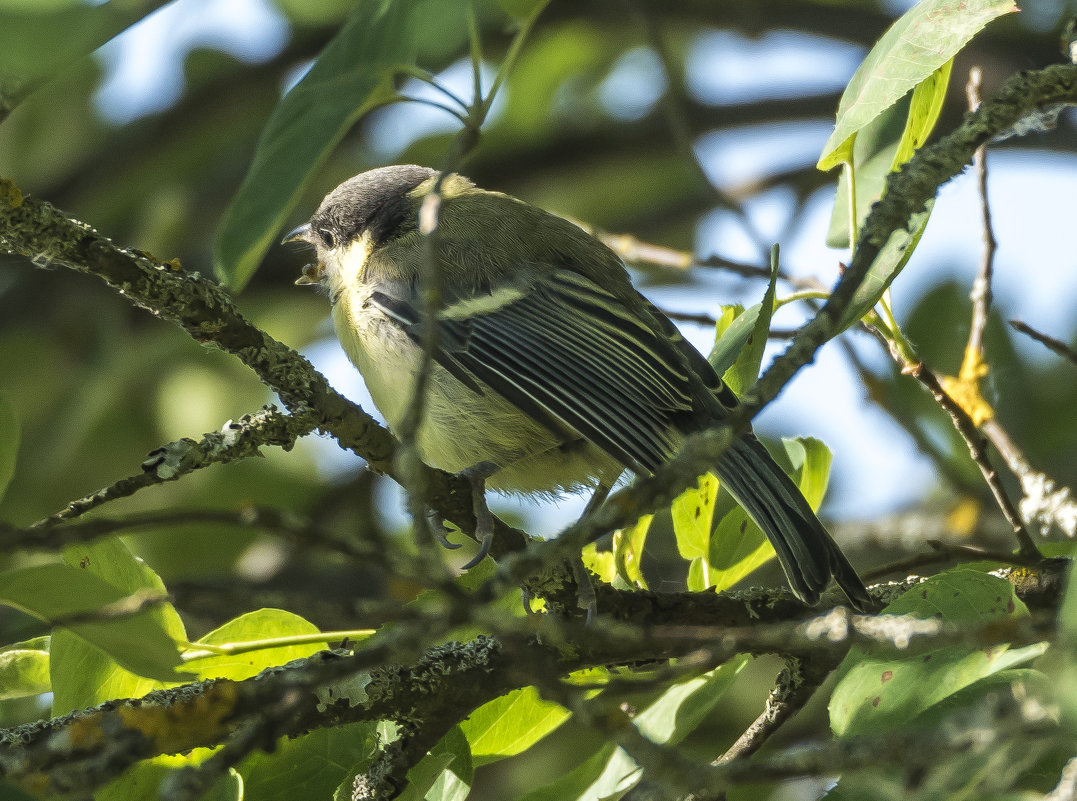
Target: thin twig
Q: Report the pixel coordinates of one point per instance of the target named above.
(978, 449)
(945, 553)
(1059, 347)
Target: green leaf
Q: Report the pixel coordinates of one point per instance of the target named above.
(874, 158)
(628, 546)
(350, 77)
(444, 774)
(262, 624)
(693, 515)
(312, 766)
(879, 151)
(71, 597)
(9, 442)
(679, 710)
(125, 658)
(890, 261)
(606, 775)
(40, 37)
(734, 328)
(811, 460)
(744, 372)
(510, 724)
(960, 775)
(925, 38)
(924, 110)
(24, 669)
(738, 548)
(699, 575)
(877, 690)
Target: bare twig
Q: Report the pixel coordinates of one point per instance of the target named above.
(1059, 347)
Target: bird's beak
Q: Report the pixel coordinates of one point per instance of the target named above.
(312, 273)
(299, 234)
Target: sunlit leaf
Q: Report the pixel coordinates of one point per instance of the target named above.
(811, 458)
(693, 514)
(510, 724)
(686, 704)
(734, 328)
(738, 548)
(74, 597)
(745, 368)
(628, 546)
(262, 624)
(24, 669)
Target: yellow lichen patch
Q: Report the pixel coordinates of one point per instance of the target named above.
(187, 723)
(85, 732)
(965, 388)
(10, 194)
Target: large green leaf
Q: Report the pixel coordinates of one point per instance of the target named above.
(924, 39)
(878, 690)
(734, 327)
(40, 37)
(115, 659)
(71, 597)
(351, 76)
(510, 724)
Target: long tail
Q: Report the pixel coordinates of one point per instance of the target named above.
(808, 554)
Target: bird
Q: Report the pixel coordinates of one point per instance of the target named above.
(551, 374)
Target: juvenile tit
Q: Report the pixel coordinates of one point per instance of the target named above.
(551, 372)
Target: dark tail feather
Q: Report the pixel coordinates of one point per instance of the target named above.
(808, 554)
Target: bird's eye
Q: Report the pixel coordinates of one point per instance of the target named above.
(328, 237)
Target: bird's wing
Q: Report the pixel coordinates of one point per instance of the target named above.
(566, 348)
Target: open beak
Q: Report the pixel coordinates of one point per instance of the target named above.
(312, 273)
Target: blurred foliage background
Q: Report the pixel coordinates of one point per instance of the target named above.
(706, 144)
